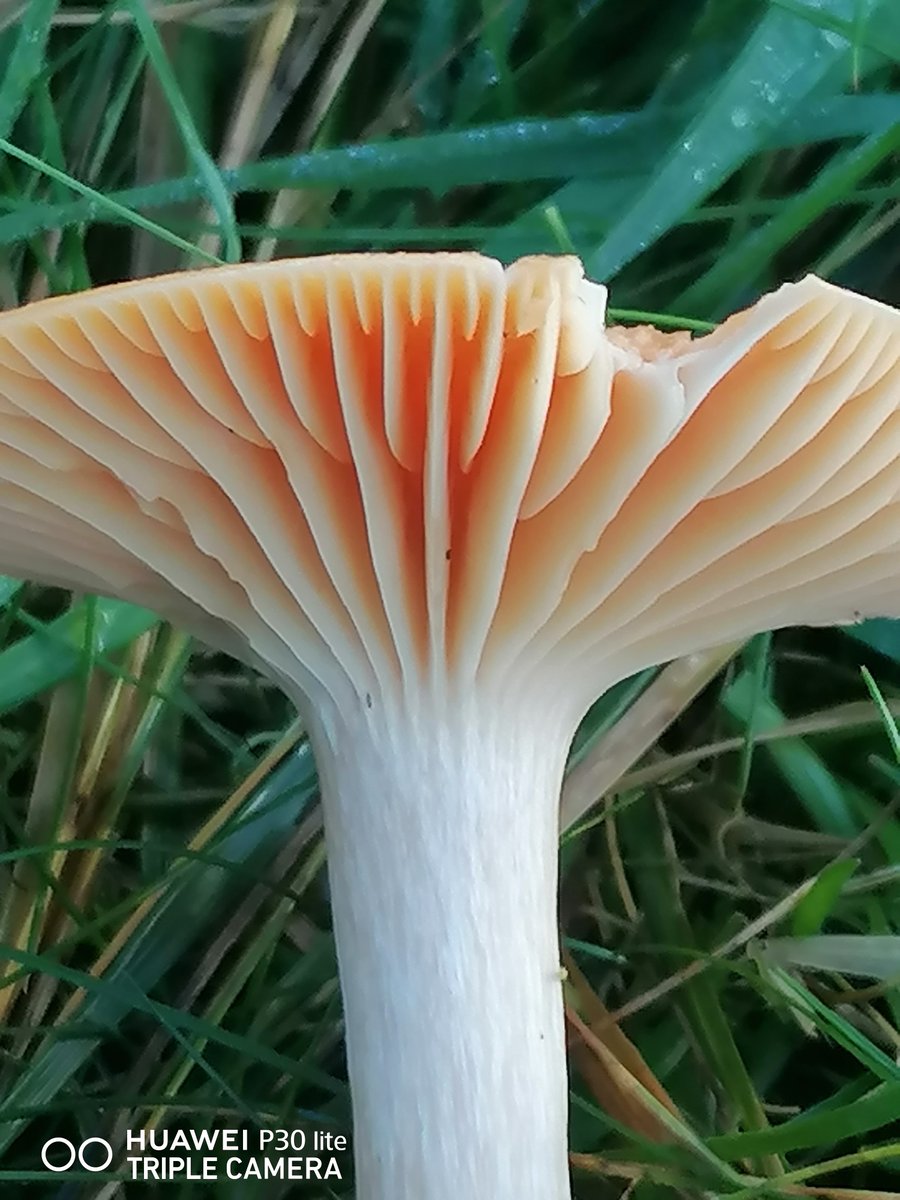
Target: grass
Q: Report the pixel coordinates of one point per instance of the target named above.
(731, 910)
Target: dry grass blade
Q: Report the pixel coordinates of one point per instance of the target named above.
(643, 724)
(119, 708)
(247, 913)
(111, 712)
(201, 839)
(241, 138)
(159, 153)
(611, 1064)
(767, 919)
(213, 13)
(287, 205)
(49, 820)
(858, 714)
(832, 1193)
(634, 1173)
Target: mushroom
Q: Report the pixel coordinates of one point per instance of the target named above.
(445, 509)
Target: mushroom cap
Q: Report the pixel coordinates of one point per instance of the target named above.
(399, 473)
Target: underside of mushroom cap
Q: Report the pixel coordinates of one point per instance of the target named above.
(417, 473)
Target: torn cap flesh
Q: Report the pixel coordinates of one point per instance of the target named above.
(409, 474)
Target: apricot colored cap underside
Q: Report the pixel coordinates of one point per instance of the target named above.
(383, 472)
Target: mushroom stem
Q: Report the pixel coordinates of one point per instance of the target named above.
(444, 904)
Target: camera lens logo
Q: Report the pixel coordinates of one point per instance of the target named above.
(70, 1154)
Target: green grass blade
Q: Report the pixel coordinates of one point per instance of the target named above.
(26, 61)
(53, 654)
(207, 170)
(781, 65)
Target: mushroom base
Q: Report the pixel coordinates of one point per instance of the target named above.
(442, 841)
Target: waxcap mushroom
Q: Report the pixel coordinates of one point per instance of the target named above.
(446, 509)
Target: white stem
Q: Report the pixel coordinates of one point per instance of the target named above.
(442, 844)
